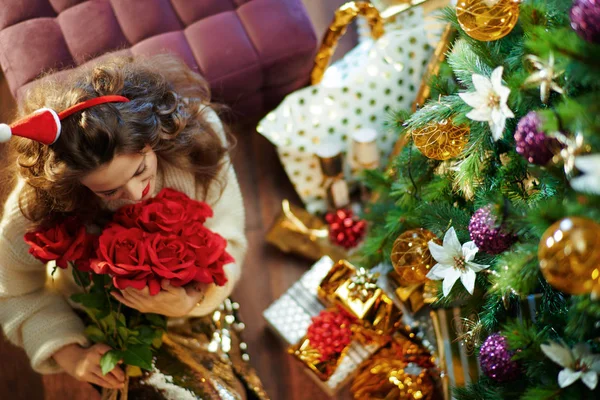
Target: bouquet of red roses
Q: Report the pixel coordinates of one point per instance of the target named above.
(163, 238)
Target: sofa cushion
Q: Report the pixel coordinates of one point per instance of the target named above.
(245, 48)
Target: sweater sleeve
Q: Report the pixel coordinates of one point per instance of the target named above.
(225, 198)
(32, 316)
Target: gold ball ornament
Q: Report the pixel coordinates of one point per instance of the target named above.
(441, 140)
(569, 255)
(411, 257)
(487, 20)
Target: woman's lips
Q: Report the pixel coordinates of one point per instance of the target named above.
(146, 190)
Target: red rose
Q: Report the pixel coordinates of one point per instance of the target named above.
(210, 254)
(122, 254)
(128, 216)
(64, 242)
(83, 264)
(165, 216)
(171, 258)
(196, 210)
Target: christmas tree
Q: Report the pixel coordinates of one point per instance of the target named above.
(495, 195)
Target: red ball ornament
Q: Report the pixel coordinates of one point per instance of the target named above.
(345, 229)
(330, 333)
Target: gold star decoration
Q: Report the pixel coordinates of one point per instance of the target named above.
(544, 76)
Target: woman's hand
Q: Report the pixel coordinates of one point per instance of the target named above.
(84, 365)
(170, 301)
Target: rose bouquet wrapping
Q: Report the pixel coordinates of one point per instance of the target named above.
(163, 238)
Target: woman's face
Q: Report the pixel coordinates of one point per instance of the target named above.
(126, 177)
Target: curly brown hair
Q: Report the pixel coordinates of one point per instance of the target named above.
(165, 111)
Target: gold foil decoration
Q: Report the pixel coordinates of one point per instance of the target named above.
(311, 358)
(343, 17)
(569, 254)
(299, 232)
(390, 374)
(487, 20)
(378, 313)
(441, 140)
(411, 257)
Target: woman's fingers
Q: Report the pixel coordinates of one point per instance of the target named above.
(121, 297)
(118, 373)
(100, 381)
(101, 348)
(109, 377)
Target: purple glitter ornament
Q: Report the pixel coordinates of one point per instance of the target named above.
(533, 144)
(487, 234)
(495, 359)
(585, 19)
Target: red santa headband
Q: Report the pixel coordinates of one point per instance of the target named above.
(43, 125)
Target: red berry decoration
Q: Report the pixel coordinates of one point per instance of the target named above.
(330, 333)
(345, 229)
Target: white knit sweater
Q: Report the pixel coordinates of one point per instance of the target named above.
(34, 311)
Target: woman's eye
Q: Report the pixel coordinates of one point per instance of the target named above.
(110, 194)
(141, 172)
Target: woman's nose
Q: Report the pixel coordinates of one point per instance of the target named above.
(133, 190)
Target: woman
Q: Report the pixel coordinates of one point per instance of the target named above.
(127, 129)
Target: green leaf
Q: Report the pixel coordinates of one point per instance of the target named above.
(81, 278)
(123, 333)
(138, 355)
(109, 323)
(109, 361)
(157, 320)
(146, 334)
(95, 334)
(90, 300)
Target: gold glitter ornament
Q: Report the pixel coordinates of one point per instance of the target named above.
(441, 140)
(487, 20)
(569, 255)
(411, 257)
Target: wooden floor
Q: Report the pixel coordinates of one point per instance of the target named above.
(267, 272)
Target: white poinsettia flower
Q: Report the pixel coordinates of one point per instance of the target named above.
(489, 102)
(454, 261)
(589, 181)
(578, 363)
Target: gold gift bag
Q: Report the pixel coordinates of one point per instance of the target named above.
(298, 232)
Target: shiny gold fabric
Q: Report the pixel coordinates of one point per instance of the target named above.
(206, 357)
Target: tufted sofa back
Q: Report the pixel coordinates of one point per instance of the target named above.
(253, 52)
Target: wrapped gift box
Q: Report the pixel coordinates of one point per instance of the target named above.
(290, 316)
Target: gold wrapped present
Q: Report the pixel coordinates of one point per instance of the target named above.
(402, 371)
(413, 295)
(298, 232)
(356, 291)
